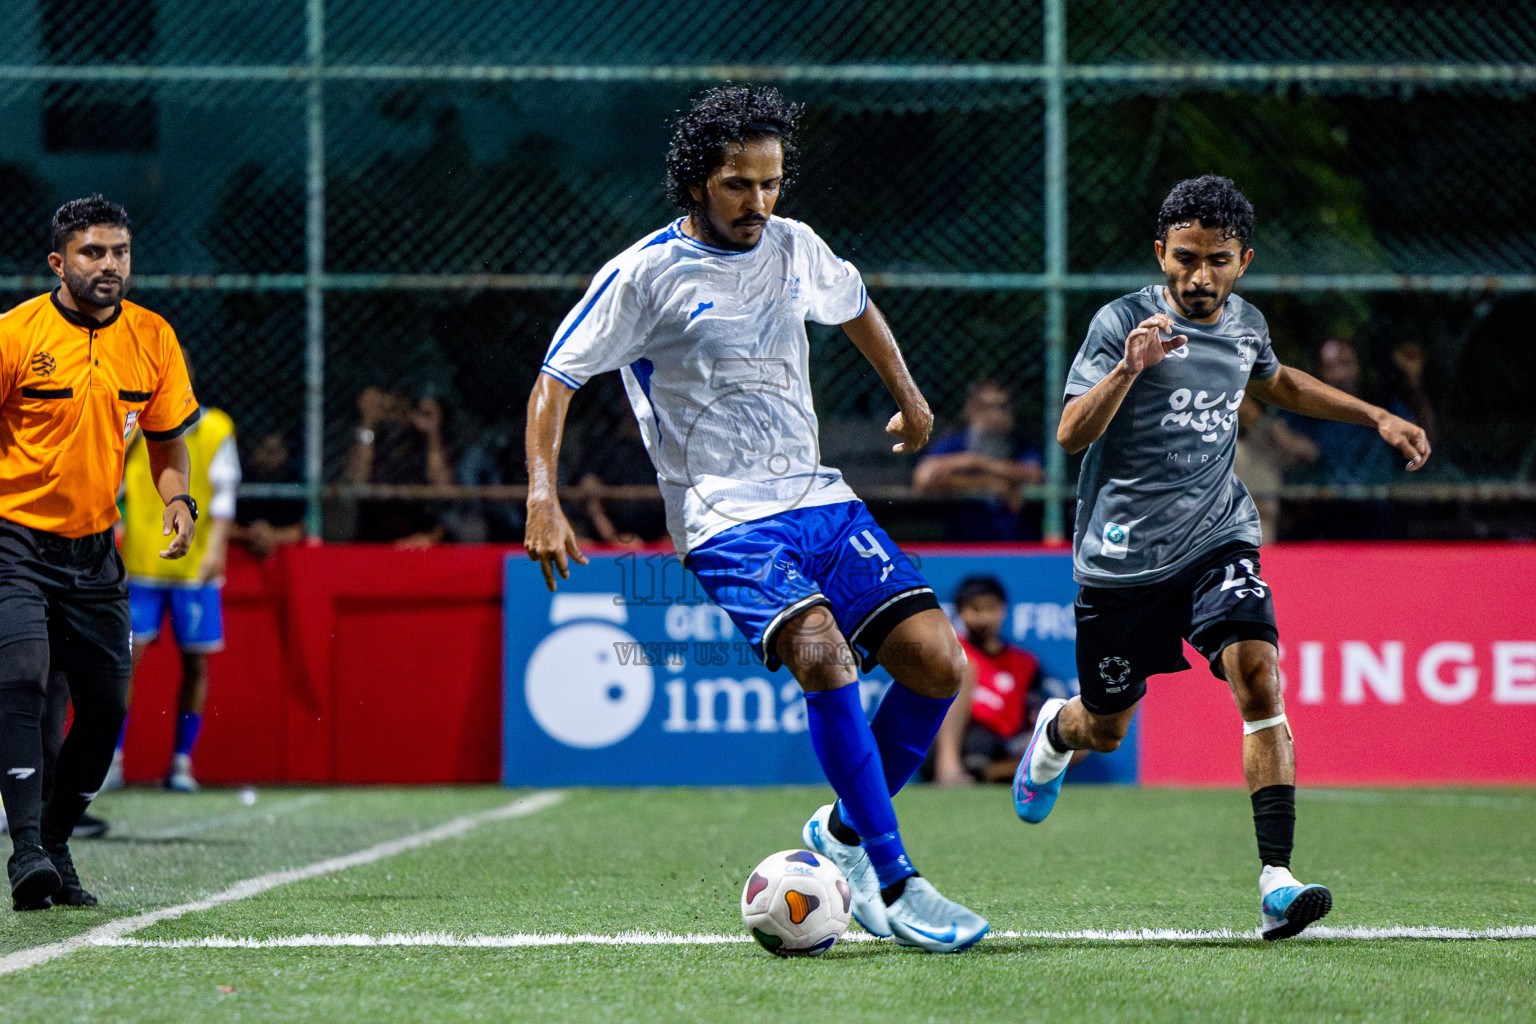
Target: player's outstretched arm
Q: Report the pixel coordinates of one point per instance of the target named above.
(1085, 417)
(1301, 392)
(548, 538)
(913, 421)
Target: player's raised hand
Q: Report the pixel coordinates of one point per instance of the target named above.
(1408, 438)
(1145, 346)
(550, 541)
(913, 427)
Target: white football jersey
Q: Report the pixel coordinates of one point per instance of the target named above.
(714, 357)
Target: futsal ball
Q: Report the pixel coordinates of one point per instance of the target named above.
(796, 903)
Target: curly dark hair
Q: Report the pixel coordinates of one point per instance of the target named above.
(1212, 200)
(79, 214)
(725, 114)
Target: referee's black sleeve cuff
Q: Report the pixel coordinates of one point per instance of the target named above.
(175, 432)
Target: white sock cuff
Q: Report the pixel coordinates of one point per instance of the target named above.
(1249, 728)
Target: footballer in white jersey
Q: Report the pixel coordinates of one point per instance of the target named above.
(706, 321)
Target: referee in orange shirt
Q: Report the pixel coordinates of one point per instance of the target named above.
(79, 369)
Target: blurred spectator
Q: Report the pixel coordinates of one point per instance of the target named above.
(1347, 455)
(398, 443)
(988, 727)
(263, 524)
(1409, 361)
(1266, 448)
(984, 465)
(615, 461)
(493, 459)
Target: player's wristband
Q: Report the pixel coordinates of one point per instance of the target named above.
(191, 504)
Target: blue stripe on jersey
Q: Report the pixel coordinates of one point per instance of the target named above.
(863, 301)
(562, 378)
(581, 316)
(642, 369)
(669, 233)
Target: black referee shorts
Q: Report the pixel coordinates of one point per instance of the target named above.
(1125, 634)
(71, 592)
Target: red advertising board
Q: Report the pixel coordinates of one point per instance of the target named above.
(1402, 664)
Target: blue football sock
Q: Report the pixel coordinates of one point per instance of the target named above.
(187, 724)
(846, 748)
(904, 729)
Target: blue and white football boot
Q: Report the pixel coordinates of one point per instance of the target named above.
(1037, 783)
(868, 908)
(1287, 906)
(923, 918)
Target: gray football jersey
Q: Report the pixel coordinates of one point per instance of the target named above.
(1157, 491)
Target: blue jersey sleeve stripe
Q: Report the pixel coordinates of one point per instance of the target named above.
(863, 301)
(562, 378)
(582, 315)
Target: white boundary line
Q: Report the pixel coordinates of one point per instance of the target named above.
(105, 934)
(447, 939)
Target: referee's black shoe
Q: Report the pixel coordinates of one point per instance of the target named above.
(71, 893)
(90, 827)
(34, 879)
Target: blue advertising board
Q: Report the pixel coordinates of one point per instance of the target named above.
(630, 676)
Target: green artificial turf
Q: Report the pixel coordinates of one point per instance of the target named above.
(611, 861)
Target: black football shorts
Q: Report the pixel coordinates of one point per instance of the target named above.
(72, 592)
(1125, 634)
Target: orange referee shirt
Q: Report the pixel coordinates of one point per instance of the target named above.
(71, 391)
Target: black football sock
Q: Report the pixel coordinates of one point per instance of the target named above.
(891, 893)
(1274, 822)
(23, 666)
(1053, 736)
(101, 705)
(839, 828)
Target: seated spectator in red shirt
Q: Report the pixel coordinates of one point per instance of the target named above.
(989, 725)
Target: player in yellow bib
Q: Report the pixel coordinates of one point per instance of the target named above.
(189, 588)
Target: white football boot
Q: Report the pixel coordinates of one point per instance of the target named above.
(1286, 906)
(179, 779)
(853, 862)
(925, 919)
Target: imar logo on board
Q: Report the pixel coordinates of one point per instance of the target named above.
(578, 689)
(630, 676)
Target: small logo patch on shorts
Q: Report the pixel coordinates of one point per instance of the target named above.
(1114, 670)
(129, 423)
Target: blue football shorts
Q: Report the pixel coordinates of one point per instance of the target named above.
(197, 615)
(766, 572)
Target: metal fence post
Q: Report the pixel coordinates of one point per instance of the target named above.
(1055, 17)
(314, 270)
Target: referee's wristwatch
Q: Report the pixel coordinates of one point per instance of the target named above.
(191, 503)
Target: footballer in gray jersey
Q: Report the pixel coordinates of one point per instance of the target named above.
(1166, 542)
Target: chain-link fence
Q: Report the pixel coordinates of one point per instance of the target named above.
(333, 195)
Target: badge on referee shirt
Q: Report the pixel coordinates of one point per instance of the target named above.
(129, 423)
